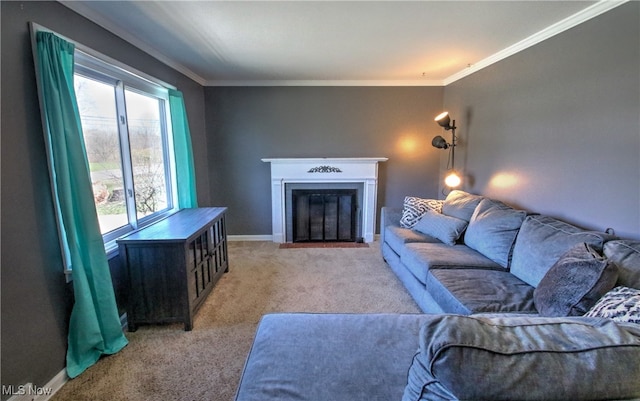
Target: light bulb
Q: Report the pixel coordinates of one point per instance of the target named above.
(441, 116)
(452, 180)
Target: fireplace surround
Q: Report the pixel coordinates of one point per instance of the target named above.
(289, 173)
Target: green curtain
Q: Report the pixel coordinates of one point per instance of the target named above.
(94, 327)
(185, 171)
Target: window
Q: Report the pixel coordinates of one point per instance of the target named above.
(126, 132)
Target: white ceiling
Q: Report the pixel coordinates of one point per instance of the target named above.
(334, 42)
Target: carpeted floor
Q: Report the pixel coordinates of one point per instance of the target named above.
(167, 363)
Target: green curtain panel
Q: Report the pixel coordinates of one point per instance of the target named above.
(185, 171)
(94, 327)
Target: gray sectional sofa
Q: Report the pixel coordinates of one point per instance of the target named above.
(493, 267)
(517, 306)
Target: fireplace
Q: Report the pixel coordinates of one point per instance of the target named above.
(294, 207)
(324, 215)
(324, 175)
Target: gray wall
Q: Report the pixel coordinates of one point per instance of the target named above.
(555, 129)
(36, 301)
(246, 124)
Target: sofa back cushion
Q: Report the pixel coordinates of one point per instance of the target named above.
(460, 204)
(493, 229)
(524, 358)
(542, 240)
(625, 254)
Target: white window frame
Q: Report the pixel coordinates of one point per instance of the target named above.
(90, 67)
(94, 65)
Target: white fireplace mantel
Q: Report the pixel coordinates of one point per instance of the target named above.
(324, 170)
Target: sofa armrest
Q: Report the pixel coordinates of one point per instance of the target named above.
(389, 216)
(525, 358)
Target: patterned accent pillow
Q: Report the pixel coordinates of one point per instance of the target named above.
(415, 207)
(622, 305)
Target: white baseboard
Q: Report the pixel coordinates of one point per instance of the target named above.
(267, 237)
(30, 392)
(250, 237)
(57, 382)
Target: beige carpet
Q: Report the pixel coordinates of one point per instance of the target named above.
(167, 363)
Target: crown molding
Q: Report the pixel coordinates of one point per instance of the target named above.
(588, 13)
(322, 82)
(86, 12)
(576, 19)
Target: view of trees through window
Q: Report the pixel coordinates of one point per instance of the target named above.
(128, 169)
(147, 153)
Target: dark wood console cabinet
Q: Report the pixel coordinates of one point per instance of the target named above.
(173, 264)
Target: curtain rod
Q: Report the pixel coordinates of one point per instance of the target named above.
(35, 27)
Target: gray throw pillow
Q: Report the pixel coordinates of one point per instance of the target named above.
(445, 228)
(575, 283)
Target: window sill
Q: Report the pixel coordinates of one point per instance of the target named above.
(111, 247)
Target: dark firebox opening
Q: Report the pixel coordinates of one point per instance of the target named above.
(324, 215)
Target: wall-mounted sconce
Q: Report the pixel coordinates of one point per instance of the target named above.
(452, 179)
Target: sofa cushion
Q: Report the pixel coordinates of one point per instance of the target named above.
(621, 304)
(460, 204)
(626, 255)
(493, 229)
(575, 283)
(418, 258)
(542, 240)
(336, 357)
(524, 358)
(469, 291)
(396, 237)
(445, 228)
(414, 208)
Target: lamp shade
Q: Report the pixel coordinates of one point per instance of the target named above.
(443, 119)
(439, 142)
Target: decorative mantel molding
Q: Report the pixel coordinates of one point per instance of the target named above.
(324, 170)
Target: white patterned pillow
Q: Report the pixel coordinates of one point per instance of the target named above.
(622, 304)
(415, 207)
